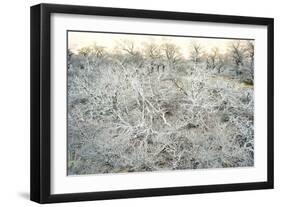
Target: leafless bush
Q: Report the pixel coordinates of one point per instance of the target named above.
(125, 117)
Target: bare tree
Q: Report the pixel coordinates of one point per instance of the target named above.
(213, 58)
(93, 50)
(171, 52)
(85, 51)
(196, 53)
(98, 51)
(237, 52)
(250, 52)
(132, 53)
(152, 50)
(222, 61)
(128, 47)
(250, 49)
(153, 54)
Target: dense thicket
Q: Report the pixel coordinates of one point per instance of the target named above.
(154, 108)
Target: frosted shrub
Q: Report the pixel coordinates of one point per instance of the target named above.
(129, 113)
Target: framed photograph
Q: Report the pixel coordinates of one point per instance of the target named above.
(133, 103)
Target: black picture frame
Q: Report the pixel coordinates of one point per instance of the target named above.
(40, 180)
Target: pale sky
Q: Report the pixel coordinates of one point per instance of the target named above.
(77, 40)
